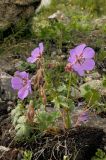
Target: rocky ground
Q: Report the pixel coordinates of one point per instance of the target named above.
(13, 53)
(13, 11)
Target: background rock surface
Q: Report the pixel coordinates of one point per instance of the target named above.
(11, 11)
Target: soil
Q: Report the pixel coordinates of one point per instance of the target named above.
(80, 143)
(101, 67)
(102, 114)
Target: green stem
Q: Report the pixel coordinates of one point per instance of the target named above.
(68, 119)
(69, 86)
(67, 111)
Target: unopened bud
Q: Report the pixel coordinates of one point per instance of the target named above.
(68, 67)
(30, 112)
(44, 99)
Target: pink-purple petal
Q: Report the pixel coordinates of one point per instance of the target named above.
(83, 117)
(80, 72)
(78, 68)
(31, 60)
(17, 73)
(88, 53)
(35, 53)
(72, 59)
(29, 86)
(72, 52)
(21, 74)
(88, 64)
(16, 83)
(41, 48)
(23, 92)
(81, 59)
(21, 82)
(79, 49)
(24, 75)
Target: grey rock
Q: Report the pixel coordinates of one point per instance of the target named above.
(6, 91)
(10, 68)
(60, 16)
(99, 21)
(11, 11)
(24, 2)
(93, 76)
(44, 3)
(93, 119)
(75, 93)
(95, 84)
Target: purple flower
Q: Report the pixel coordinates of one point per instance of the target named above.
(36, 53)
(21, 82)
(83, 117)
(81, 59)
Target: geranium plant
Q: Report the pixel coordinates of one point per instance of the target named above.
(34, 114)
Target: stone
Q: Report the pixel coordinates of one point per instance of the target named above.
(75, 93)
(93, 119)
(6, 91)
(99, 22)
(11, 11)
(92, 76)
(95, 84)
(10, 68)
(60, 17)
(44, 3)
(24, 2)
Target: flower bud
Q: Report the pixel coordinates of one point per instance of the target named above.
(30, 112)
(68, 67)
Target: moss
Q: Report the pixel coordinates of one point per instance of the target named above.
(82, 26)
(95, 7)
(11, 39)
(4, 25)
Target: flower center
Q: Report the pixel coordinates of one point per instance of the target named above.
(24, 80)
(80, 59)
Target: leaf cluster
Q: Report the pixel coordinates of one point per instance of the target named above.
(19, 121)
(27, 155)
(46, 120)
(99, 155)
(94, 99)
